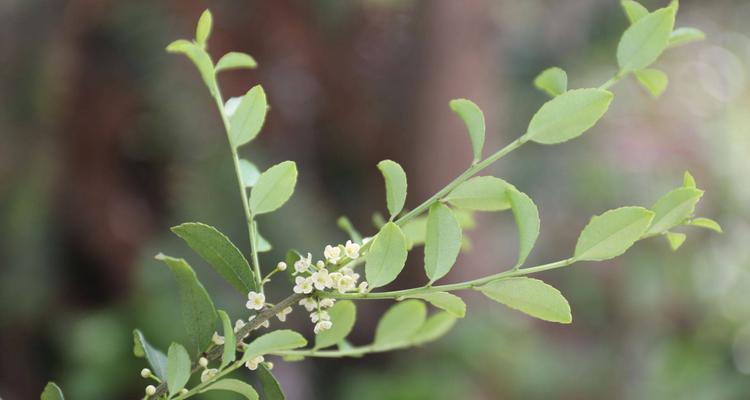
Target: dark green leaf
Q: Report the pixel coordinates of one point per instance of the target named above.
(220, 252)
(178, 368)
(269, 384)
(230, 342)
(156, 359)
(233, 385)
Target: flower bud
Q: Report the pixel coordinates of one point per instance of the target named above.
(150, 390)
(146, 373)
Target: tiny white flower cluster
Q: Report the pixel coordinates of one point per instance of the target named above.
(316, 276)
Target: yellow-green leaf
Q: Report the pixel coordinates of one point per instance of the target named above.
(645, 40)
(553, 81)
(343, 314)
(442, 241)
(706, 223)
(612, 233)
(281, 340)
(203, 29)
(156, 358)
(473, 118)
(387, 256)
(444, 300)
(52, 392)
(682, 36)
(273, 188)
(235, 60)
(675, 239)
(481, 193)
(568, 115)
(399, 324)
(530, 296)
(230, 341)
(246, 121)
(395, 186)
(178, 368)
(526, 215)
(233, 385)
(634, 10)
(653, 80)
(674, 208)
(434, 327)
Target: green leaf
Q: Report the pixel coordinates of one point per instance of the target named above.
(568, 115)
(442, 241)
(52, 392)
(444, 300)
(527, 220)
(436, 326)
(178, 368)
(346, 225)
(530, 296)
(271, 342)
(654, 80)
(415, 231)
(220, 252)
(634, 10)
(688, 180)
(473, 118)
(674, 208)
(395, 186)
(269, 384)
(706, 223)
(230, 342)
(675, 239)
(203, 29)
(249, 173)
(198, 312)
(235, 60)
(156, 359)
(645, 40)
(343, 314)
(233, 385)
(200, 59)
(246, 121)
(553, 81)
(274, 187)
(612, 233)
(399, 324)
(481, 193)
(683, 36)
(387, 256)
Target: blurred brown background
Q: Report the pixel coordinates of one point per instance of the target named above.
(106, 141)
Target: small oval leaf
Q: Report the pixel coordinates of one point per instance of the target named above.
(156, 359)
(568, 115)
(395, 186)
(645, 40)
(653, 80)
(203, 29)
(675, 239)
(436, 326)
(634, 10)
(706, 223)
(526, 215)
(473, 118)
(387, 256)
(178, 368)
(246, 121)
(399, 324)
(52, 392)
(249, 173)
(683, 36)
(230, 341)
(273, 188)
(612, 233)
(442, 241)
(280, 340)
(674, 208)
(553, 81)
(530, 296)
(235, 60)
(481, 193)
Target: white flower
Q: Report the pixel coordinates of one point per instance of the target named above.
(281, 266)
(282, 315)
(335, 276)
(252, 364)
(346, 283)
(320, 316)
(363, 287)
(303, 285)
(303, 264)
(255, 301)
(350, 273)
(327, 302)
(321, 279)
(309, 303)
(322, 326)
(217, 339)
(208, 374)
(351, 250)
(332, 254)
(264, 324)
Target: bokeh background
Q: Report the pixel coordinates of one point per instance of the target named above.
(106, 141)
